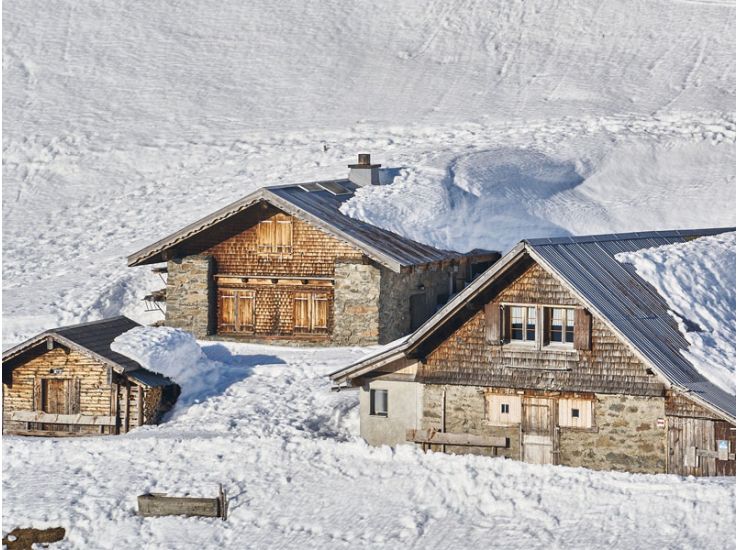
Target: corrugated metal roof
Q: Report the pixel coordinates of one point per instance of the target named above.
(628, 302)
(318, 203)
(613, 289)
(95, 338)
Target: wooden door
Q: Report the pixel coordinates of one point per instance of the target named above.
(538, 431)
(417, 311)
(693, 447)
(54, 400)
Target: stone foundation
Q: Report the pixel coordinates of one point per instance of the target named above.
(356, 305)
(190, 300)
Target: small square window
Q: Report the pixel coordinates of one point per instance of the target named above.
(505, 408)
(378, 402)
(575, 413)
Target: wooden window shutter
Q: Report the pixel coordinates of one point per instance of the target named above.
(245, 311)
(302, 311)
(283, 236)
(320, 311)
(227, 311)
(265, 236)
(582, 329)
(546, 326)
(493, 322)
(37, 394)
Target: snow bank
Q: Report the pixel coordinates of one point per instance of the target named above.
(697, 279)
(177, 355)
(286, 449)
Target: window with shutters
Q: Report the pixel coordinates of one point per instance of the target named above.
(560, 326)
(522, 324)
(274, 236)
(311, 311)
(236, 310)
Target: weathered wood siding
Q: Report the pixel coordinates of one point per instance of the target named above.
(314, 252)
(23, 394)
(608, 367)
(91, 392)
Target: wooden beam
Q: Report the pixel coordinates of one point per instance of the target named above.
(158, 504)
(126, 407)
(74, 419)
(140, 398)
(433, 437)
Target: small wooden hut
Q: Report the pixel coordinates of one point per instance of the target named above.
(68, 382)
(557, 354)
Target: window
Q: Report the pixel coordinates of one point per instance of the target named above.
(575, 413)
(378, 402)
(502, 410)
(561, 326)
(311, 312)
(522, 324)
(274, 236)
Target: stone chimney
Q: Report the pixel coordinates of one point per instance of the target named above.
(364, 172)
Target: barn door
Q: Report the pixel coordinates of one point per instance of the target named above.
(694, 447)
(538, 430)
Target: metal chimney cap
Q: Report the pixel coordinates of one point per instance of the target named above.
(365, 161)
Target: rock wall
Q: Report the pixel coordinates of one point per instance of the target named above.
(626, 438)
(396, 289)
(465, 414)
(190, 300)
(356, 304)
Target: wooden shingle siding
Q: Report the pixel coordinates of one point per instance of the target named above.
(466, 356)
(298, 249)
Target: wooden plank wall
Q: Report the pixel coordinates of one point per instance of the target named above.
(90, 376)
(465, 357)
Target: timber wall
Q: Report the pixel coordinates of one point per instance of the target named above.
(467, 358)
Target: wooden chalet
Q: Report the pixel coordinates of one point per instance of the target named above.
(68, 382)
(286, 264)
(558, 354)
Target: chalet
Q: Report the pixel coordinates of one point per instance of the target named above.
(557, 354)
(68, 382)
(286, 264)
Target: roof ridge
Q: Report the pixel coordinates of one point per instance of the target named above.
(634, 235)
(88, 323)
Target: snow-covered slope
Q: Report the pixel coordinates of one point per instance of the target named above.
(697, 280)
(286, 450)
(495, 120)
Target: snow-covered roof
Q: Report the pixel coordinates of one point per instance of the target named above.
(94, 339)
(318, 203)
(613, 290)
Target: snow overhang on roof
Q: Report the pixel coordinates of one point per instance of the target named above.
(93, 339)
(317, 203)
(611, 290)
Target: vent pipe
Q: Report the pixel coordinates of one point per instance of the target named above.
(364, 172)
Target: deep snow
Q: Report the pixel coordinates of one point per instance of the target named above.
(494, 121)
(286, 449)
(697, 280)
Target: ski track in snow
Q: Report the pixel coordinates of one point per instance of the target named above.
(286, 449)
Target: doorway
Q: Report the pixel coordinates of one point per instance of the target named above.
(538, 430)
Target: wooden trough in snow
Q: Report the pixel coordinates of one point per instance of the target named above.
(159, 504)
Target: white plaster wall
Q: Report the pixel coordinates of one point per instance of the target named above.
(404, 405)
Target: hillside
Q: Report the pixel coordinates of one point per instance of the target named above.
(494, 121)
(124, 122)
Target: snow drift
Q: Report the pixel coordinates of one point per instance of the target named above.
(697, 279)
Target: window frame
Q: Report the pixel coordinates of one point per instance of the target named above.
(526, 312)
(566, 327)
(372, 405)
